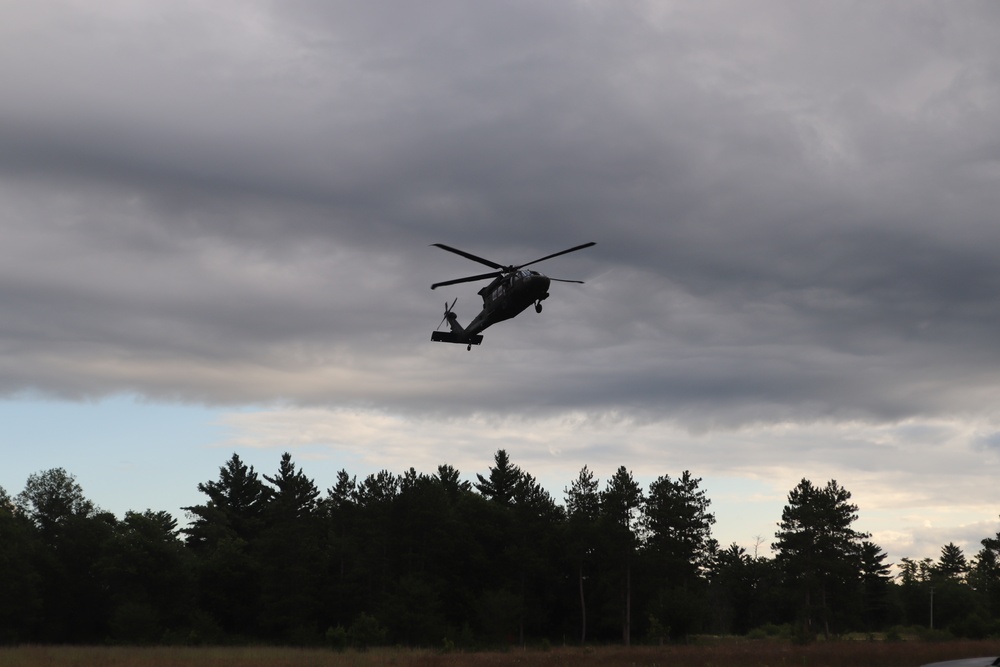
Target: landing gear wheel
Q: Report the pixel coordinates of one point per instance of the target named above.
(469, 348)
(538, 307)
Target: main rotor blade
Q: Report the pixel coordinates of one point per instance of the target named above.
(468, 255)
(470, 279)
(556, 254)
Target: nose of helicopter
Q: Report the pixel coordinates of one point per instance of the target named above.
(540, 286)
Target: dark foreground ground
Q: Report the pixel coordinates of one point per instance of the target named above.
(737, 653)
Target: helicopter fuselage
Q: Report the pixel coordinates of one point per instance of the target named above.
(507, 296)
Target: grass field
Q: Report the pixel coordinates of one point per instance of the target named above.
(728, 654)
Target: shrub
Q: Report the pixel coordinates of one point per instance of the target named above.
(770, 631)
(975, 626)
(366, 632)
(336, 638)
(935, 635)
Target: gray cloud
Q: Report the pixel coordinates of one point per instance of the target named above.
(794, 206)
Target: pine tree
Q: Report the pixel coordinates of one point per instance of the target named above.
(876, 579)
(583, 507)
(294, 496)
(221, 534)
(952, 564)
(678, 545)
(450, 479)
(678, 526)
(733, 589)
(817, 548)
(236, 506)
(376, 496)
(291, 554)
(502, 483)
(621, 504)
(984, 575)
(342, 517)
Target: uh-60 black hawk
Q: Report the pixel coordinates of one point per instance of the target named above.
(512, 289)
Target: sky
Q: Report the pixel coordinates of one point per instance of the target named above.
(217, 220)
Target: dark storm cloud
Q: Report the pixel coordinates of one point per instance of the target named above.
(786, 225)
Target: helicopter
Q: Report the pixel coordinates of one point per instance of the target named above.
(511, 291)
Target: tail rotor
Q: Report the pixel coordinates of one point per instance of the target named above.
(448, 314)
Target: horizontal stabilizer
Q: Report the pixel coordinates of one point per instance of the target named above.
(452, 337)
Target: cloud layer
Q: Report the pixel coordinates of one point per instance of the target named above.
(795, 208)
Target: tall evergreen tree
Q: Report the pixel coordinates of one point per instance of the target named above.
(952, 597)
(583, 507)
(876, 580)
(502, 483)
(915, 585)
(678, 546)
(735, 590)
(236, 505)
(524, 521)
(678, 526)
(376, 497)
(450, 479)
(501, 603)
(425, 551)
(984, 576)
(952, 564)
(294, 495)
(536, 524)
(342, 518)
(621, 505)
(221, 534)
(291, 553)
(818, 549)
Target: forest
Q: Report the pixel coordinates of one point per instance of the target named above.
(433, 560)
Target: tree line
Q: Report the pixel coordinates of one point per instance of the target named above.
(435, 560)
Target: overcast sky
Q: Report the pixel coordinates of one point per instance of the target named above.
(220, 215)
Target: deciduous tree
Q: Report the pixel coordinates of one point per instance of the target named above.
(21, 599)
(51, 497)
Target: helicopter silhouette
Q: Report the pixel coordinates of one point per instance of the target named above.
(512, 290)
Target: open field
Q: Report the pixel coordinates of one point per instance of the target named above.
(736, 653)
